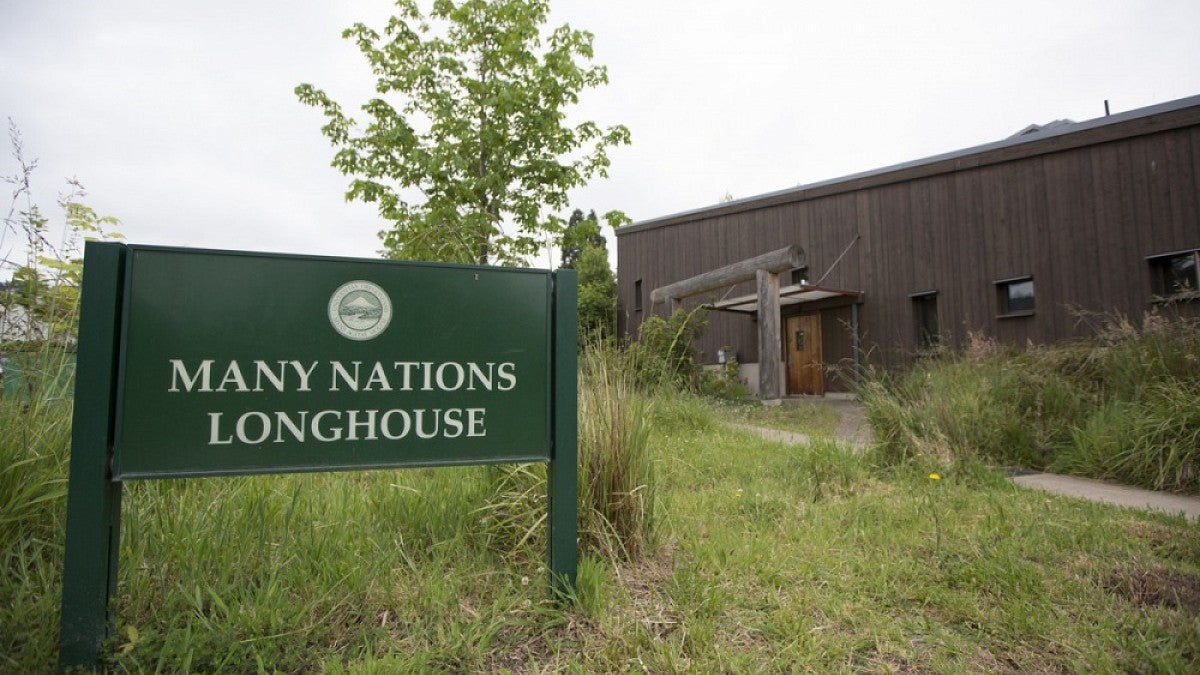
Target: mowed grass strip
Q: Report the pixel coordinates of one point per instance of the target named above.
(769, 557)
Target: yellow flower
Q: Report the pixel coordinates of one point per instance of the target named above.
(934, 476)
(738, 494)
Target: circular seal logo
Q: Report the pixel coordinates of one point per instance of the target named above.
(360, 310)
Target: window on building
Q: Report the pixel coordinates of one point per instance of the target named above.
(637, 295)
(1015, 296)
(799, 276)
(925, 319)
(1175, 274)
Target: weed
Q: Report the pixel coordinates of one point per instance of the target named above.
(931, 501)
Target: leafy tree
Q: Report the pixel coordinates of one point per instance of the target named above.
(582, 231)
(478, 130)
(597, 294)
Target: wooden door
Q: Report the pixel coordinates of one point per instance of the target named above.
(802, 342)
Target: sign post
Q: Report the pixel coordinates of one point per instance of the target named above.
(94, 499)
(561, 475)
(204, 363)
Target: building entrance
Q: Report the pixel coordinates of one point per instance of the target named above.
(802, 343)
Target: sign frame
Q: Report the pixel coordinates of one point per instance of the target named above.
(165, 287)
(93, 532)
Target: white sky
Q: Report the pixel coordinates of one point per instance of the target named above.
(179, 117)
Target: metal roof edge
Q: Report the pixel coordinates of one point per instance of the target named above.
(746, 203)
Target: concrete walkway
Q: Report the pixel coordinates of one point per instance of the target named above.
(1111, 493)
(853, 427)
(854, 431)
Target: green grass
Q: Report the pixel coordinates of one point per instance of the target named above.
(33, 490)
(46, 373)
(806, 417)
(767, 557)
(1124, 405)
(301, 570)
(789, 558)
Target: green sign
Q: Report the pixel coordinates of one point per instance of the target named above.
(239, 363)
(202, 363)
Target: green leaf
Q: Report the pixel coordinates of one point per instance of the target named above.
(472, 128)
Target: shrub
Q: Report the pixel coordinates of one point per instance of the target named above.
(723, 383)
(663, 355)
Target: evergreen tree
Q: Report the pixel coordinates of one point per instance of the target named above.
(580, 233)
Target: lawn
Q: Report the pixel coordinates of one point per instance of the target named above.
(768, 557)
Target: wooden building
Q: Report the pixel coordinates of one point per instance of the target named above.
(1014, 240)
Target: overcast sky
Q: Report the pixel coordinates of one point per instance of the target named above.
(179, 117)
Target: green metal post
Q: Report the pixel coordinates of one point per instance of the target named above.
(94, 499)
(562, 485)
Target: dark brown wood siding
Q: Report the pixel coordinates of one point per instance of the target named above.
(1077, 215)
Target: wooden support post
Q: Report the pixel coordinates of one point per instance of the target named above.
(768, 336)
(765, 269)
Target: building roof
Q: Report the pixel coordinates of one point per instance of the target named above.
(1048, 126)
(796, 294)
(1051, 137)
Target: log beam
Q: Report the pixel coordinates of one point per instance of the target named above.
(781, 260)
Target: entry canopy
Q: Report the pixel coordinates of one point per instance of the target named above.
(788, 295)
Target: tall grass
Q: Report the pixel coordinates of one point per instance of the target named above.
(35, 431)
(615, 471)
(1123, 405)
(616, 474)
(39, 306)
(1155, 438)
